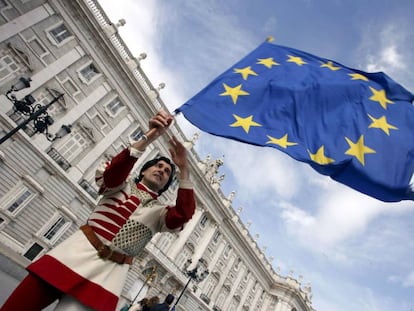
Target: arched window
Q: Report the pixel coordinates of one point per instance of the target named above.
(227, 251)
(203, 221)
(216, 236)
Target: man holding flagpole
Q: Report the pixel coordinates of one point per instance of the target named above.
(88, 270)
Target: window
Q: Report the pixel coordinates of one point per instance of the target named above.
(203, 221)
(37, 47)
(70, 87)
(59, 34)
(185, 254)
(220, 299)
(34, 250)
(247, 275)
(99, 122)
(195, 236)
(227, 251)
(211, 285)
(3, 221)
(74, 145)
(254, 287)
(88, 73)
(55, 228)
(7, 67)
(17, 199)
(114, 107)
(45, 98)
(90, 188)
(136, 134)
(118, 146)
(165, 242)
(174, 183)
(216, 236)
(237, 264)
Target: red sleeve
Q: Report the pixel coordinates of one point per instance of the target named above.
(184, 209)
(118, 169)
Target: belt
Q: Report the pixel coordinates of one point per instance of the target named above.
(105, 251)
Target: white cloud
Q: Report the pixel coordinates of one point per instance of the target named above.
(409, 280)
(387, 47)
(380, 47)
(405, 280)
(388, 59)
(261, 170)
(296, 217)
(341, 214)
(270, 25)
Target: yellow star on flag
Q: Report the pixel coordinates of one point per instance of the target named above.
(330, 65)
(282, 142)
(380, 97)
(381, 123)
(245, 72)
(245, 123)
(234, 92)
(297, 60)
(320, 157)
(358, 149)
(268, 62)
(357, 76)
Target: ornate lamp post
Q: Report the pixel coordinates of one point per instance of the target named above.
(35, 112)
(198, 274)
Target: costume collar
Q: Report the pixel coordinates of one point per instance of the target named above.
(141, 186)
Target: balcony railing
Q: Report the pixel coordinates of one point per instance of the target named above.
(59, 159)
(205, 298)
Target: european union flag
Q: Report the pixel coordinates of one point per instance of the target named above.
(354, 126)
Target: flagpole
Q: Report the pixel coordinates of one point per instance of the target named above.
(145, 283)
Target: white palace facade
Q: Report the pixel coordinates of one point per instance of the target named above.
(47, 186)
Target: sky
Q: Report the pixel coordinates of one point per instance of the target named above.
(355, 251)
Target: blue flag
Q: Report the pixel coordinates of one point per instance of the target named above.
(354, 126)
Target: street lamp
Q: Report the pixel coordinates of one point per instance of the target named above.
(198, 274)
(35, 112)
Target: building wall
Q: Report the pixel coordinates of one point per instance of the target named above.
(47, 189)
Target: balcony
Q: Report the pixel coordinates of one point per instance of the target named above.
(89, 189)
(205, 298)
(57, 157)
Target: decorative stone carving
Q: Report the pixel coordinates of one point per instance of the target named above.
(227, 202)
(212, 169)
(217, 181)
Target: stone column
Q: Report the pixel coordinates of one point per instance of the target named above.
(223, 277)
(234, 287)
(204, 241)
(283, 305)
(216, 257)
(249, 286)
(256, 297)
(266, 302)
